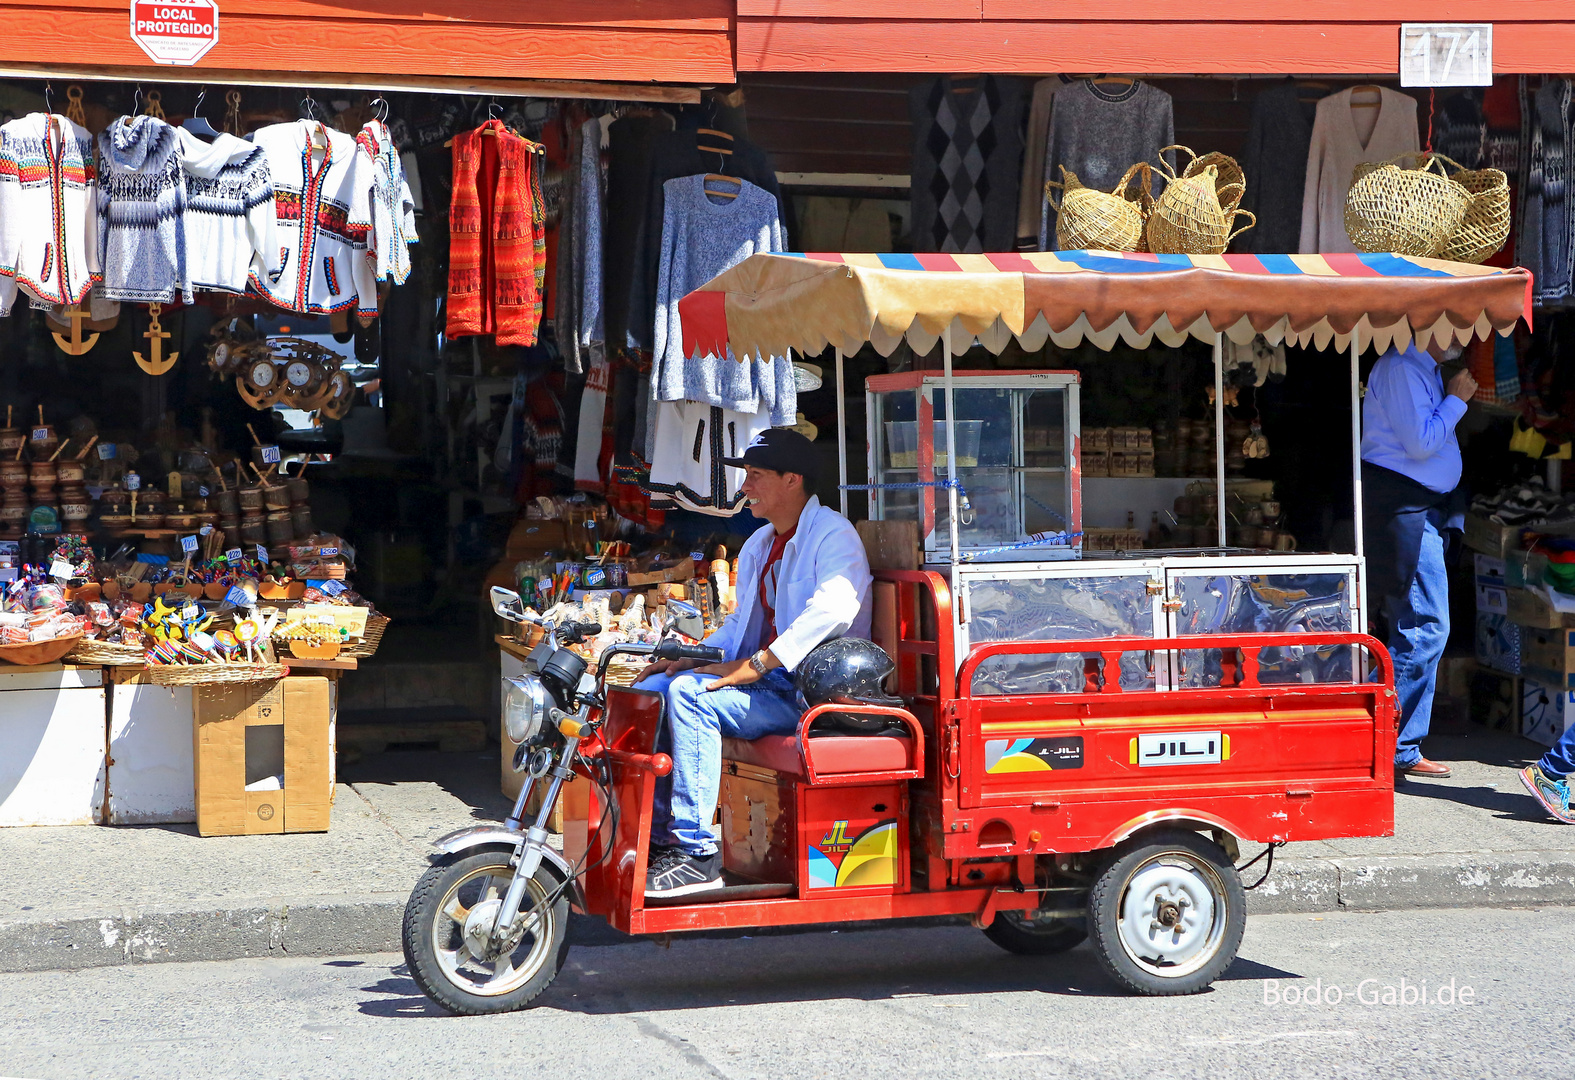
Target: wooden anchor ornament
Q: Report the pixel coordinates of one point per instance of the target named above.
(76, 344)
(156, 336)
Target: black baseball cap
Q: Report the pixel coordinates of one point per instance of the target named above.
(781, 450)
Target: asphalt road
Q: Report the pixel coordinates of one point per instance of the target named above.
(907, 1003)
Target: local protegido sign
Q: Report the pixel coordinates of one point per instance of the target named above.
(175, 33)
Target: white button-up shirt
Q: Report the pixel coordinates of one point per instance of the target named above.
(823, 588)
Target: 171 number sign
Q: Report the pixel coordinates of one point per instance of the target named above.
(1446, 54)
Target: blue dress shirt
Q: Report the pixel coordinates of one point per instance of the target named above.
(1408, 421)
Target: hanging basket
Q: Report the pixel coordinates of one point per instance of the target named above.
(1485, 226)
(1190, 218)
(1099, 221)
(1412, 212)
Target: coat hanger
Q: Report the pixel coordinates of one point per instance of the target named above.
(196, 123)
(1367, 88)
(965, 83)
(1113, 80)
(48, 89)
(380, 109)
(135, 101)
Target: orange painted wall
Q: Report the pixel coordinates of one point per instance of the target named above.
(1179, 36)
(616, 40)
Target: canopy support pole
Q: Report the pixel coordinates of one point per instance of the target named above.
(1356, 480)
(951, 441)
(1219, 433)
(842, 441)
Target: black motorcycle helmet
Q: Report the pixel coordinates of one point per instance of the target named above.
(848, 671)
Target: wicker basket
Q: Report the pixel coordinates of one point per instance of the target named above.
(1486, 225)
(370, 639)
(1095, 220)
(1412, 212)
(1230, 181)
(214, 674)
(33, 653)
(1189, 218)
(106, 653)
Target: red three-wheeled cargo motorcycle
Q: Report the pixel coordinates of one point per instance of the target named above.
(1086, 737)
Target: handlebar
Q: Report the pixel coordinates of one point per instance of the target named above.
(671, 649)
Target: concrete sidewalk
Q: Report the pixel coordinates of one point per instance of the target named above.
(87, 897)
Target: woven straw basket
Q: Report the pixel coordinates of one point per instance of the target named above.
(1101, 221)
(103, 652)
(1230, 182)
(370, 640)
(1190, 216)
(213, 674)
(1412, 212)
(1486, 225)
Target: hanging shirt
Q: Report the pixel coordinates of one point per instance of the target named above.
(231, 222)
(393, 206)
(322, 201)
(48, 220)
(1408, 421)
(1338, 146)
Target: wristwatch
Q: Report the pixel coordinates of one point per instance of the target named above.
(758, 664)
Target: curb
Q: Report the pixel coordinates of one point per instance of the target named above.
(349, 925)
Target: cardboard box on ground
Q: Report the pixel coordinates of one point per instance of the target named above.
(245, 735)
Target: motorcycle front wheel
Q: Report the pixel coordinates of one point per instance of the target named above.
(447, 929)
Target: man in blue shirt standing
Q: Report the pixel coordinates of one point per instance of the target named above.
(1411, 497)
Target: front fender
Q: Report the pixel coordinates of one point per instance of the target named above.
(480, 836)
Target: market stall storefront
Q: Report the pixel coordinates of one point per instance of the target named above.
(559, 434)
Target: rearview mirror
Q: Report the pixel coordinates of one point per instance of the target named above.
(508, 605)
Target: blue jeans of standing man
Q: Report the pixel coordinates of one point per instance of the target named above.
(1420, 629)
(697, 722)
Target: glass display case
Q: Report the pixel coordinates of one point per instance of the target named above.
(1016, 435)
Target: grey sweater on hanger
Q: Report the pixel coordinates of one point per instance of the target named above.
(1099, 132)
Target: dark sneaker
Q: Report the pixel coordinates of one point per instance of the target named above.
(677, 873)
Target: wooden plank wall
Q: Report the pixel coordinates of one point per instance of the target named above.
(616, 40)
(1181, 36)
(843, 123)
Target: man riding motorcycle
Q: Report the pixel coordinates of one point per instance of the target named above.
(801, 582)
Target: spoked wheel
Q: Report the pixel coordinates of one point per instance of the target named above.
(1167, 914)
(1016, 932)
(448, 926)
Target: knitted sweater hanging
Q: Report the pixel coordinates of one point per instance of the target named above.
(497, 237)
(48, 223)
(141, 203)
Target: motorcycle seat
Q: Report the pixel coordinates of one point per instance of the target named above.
(831, 755)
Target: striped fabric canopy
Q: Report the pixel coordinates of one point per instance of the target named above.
(770, 304)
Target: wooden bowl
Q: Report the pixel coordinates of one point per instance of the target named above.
(33, 653)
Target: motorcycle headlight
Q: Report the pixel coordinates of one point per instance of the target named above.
(525, 708)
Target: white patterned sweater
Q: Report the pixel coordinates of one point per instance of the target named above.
(48, 227)
(231, 232)
(323, 213)
(393, 207)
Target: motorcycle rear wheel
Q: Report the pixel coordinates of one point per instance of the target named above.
(447, 922)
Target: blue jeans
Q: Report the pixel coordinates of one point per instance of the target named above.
(1420, 629)
(697, 721)
(1559, 761)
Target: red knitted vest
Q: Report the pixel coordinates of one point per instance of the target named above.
(497, 240)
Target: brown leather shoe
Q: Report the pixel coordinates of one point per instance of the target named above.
(1423, 767)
